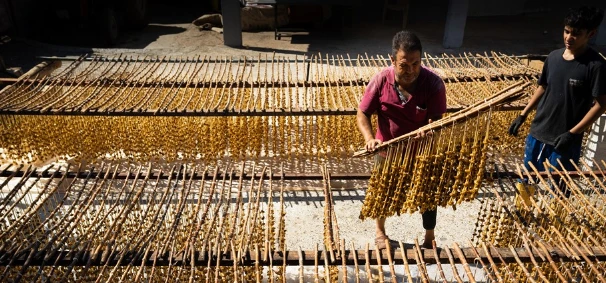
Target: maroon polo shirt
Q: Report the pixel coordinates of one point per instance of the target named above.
(427, 100)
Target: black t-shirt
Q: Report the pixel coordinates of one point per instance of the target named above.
(570, 89)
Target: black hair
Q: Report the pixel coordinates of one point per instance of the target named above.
(405, 41)
(587, 18)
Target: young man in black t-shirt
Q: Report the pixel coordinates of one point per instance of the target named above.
(571, 95)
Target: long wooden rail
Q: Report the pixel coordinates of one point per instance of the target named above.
(81, 258)
(241, 84)
(20, 172)
(216, 113)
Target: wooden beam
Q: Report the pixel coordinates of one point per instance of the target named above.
(80, 258)
(179, 176)
(214, 112)
(242, 84)
(9, 172)
(252, 59)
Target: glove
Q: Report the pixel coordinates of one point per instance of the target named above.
(515, 126)
(564, 141)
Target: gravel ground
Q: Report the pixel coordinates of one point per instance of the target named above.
(306, 209)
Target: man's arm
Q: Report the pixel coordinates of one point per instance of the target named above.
(365, 127)
(532, 104)
(429, 121)
(598, 108)
(563, 142)
(534, 100)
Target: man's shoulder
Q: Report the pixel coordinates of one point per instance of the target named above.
(430, 73)
(594, 57)
(432, 79)
(386, 71)
(383, 75)
(556, 53)
(555, 56)
(589, 56)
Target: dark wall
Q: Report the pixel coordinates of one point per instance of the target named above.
(29, 15)
(420, 11)
(25, 15)
(427, 11)
(6, 17)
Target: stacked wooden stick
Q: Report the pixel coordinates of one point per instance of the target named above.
(242, 108)
(241, 85)
(554, 211)
(111, 227)
(181, 223)
(123, 221)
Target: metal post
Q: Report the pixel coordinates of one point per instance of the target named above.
(276, 36)
(455, 23)
(232, 23)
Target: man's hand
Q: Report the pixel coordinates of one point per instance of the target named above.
(372, 144)
(422, 134)
(564, 141)
(515, 126)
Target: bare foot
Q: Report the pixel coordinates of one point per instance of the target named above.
(427, 244)
(380, 241)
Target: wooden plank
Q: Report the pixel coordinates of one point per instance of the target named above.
(247, 176)
(291, 257)
(214, 112)
(243, 84)
(185, 113)
(240, 59)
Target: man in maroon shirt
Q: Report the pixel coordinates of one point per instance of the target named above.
(405, 96)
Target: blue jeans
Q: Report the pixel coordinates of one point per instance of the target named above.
(538, 152)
